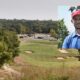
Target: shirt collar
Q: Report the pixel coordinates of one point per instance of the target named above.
(75, 34)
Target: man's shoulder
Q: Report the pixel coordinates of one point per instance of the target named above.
(71, 35)
(68, 40)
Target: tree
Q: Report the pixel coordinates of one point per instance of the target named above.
(78, 7)
(53, 33)
(8, 46)
(22, 28)
(72, 9)
(62, 32)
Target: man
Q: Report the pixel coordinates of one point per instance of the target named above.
(73, 40)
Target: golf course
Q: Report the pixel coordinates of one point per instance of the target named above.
(43, 61)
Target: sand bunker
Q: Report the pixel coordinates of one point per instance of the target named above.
(28, 52)
(63, 51)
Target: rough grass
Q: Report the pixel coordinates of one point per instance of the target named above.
(31, 72)
(42, 64)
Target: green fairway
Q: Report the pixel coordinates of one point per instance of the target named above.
(44, 53)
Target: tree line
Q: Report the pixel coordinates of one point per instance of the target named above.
(56, 28)
(9, 43)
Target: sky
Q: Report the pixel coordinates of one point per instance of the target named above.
(64, 13)
(34, 9)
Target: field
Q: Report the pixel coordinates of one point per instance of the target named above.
(41, 60)
(45, 53)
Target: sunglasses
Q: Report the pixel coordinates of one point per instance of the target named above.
(73, 8)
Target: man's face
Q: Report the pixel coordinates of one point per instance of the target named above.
(76, 21)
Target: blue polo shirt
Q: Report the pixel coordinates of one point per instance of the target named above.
(72, 41)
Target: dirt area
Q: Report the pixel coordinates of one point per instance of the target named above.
(18, 60)
(8, 72)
